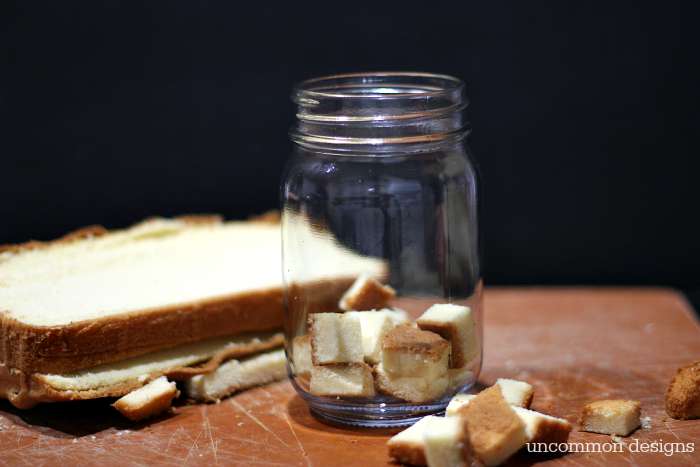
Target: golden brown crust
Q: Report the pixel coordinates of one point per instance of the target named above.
(609, 409)
(213, 363)
(612, 406)
(449, 332)
(413, 340)
(268, 217)
(372, 295)
(490, 422)
(408, 453)
(93, 231)
(683, 394)
(80, 234)
(468, 454)
(200, 219)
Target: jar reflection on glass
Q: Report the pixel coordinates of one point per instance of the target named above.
(381, 187)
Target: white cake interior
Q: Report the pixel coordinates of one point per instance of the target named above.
(159, 263)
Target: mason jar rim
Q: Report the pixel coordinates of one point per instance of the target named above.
(386, 111)
(333, 86)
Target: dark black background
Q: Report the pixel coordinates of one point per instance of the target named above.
(585, 118)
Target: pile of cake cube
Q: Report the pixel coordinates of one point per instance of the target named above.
(368, 348)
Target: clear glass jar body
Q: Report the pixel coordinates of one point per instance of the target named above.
(377, 189)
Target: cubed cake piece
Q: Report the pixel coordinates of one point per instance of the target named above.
(612, 417)
(446, 443)
(414, 389)
(408, 446)
(414, 364)
(456, 324)
(349, 380)
(375, 325)
(518, 393)
(683, 394)
(147, 401)
(495, 430)
(539, 427)
(335, 338)
(408, 351)
(366, 293)
(457, 402)
(301, 354)
(542, 428)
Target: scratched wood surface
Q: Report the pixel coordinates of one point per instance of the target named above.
(573, 345)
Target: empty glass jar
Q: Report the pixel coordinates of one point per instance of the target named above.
(380, 209)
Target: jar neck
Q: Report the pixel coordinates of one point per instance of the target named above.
(381, 113)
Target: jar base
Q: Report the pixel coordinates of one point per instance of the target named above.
(374, 416)
(368, 420)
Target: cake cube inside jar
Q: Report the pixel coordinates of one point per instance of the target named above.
(366, 293)
(456, 324)
(414, 364)
(348, 380)
(335, 338)
(408, 351)
(301, 354)
(375, 325)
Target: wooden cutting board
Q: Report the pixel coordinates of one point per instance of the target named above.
(573, 345)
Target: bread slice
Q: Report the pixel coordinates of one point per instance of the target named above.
(683, 394)
(613, 417)
(96, 297)
(120, 378)
(456, 324)
(495, 430)
(236, 375)
(408, 446)
(147, 401)
(366, 293)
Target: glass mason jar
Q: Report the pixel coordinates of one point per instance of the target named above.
(380, 191)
